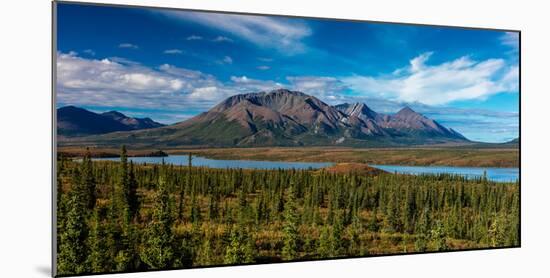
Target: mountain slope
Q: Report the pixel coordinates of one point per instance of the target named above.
(409, 121)
(75, 121)
(289, 118)
(132, 123)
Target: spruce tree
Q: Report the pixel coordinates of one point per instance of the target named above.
(120, 208)
(88, 180)
(336, 236)
(326, 248)
(421, 243)
(97, 243)
(158, 249)
(212, 212)
(72, 253)
(195, 214)
(61, 168)
(355, 230)
(373, 221)
(240, 249)
(290, 228)
(133, 201)
(182, 188)
(438, 237)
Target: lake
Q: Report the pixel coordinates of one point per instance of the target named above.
(223, 163)
(494, 174)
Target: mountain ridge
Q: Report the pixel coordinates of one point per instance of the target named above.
(76, 121)
(291, 118)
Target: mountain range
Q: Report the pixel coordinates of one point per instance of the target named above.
(75, 121)
(286, 118)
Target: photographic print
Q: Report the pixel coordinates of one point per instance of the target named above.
(190, 139)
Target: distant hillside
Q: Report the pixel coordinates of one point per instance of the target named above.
(289, 118)
(75, 121)
(512, 144)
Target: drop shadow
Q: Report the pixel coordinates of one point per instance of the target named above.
(45, 270)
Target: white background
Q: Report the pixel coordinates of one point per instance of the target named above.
(25, 91)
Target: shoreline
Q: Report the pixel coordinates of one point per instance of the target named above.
(491, 158)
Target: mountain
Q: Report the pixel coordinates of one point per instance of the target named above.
(279, 117)
(288, 118)
(75, 121)
(406, 122)
(132, 123)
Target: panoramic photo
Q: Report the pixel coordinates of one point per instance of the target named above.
(191, 139)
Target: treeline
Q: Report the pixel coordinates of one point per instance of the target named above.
(116, 216)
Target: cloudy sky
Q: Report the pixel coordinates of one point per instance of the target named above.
(171, 65)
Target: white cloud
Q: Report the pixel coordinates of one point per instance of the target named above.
(124, 61)
(254, 85)
(194, 38)
(128, 45)
(89, 52)
(173, 51)
(281, 34)
(263, 67)
(124, 83)
(326, 88)
(417, 63)
(456, 80)
(265, 59)
(510, 39)
(226, 60)
(105, 82)
(186, 73)
(222, 39)
(211, 93)
(78, 73)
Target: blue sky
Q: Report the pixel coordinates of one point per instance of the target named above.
(171, 65)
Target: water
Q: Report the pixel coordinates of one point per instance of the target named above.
(494, 174)
(223, 163)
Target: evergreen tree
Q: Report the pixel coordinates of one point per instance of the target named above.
(97, 243)
(355, 230)
(72, 253)
(497, 233)
(240, 249)
(122, 190)
(133, 201)
(392, 212)
(438, 237)
(182, 188)
(195, 214)
(212, 212)
(373, 222)
(126, 257)
(88, 180)
(290, 228)
(158, 249)
(59, 181)
(326, 247)
(336, 236)
(421, 243)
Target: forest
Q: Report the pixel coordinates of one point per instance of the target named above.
(118, 216)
